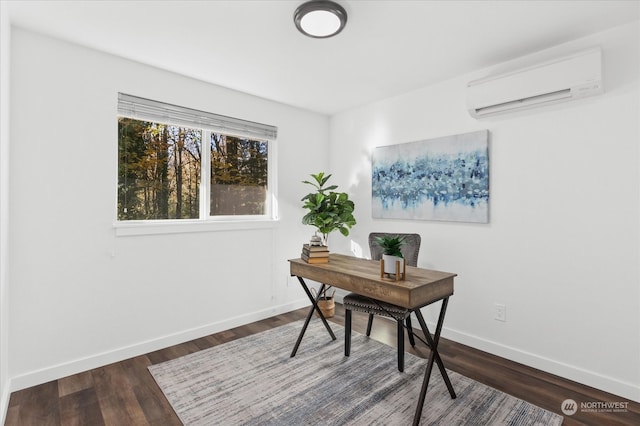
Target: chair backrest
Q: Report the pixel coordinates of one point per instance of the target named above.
(409, 250)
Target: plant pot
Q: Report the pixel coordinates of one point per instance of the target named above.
(327, 307)
(390, 264)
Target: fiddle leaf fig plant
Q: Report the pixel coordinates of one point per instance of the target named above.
(328, 210)
(391, 244)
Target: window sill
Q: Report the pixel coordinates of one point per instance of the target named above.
(132, 228)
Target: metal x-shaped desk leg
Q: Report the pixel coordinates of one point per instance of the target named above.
(433, 357)
(314, 302)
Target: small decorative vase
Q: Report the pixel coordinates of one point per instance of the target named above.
(390, 264)
(315, 240)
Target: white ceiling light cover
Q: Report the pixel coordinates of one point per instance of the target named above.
(320, 18)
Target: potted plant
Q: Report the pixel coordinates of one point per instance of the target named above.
(326, 302)
(391, 252)
(328, 210)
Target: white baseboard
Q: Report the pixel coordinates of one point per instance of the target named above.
(4, 401)
(611, 385)
(55, 372)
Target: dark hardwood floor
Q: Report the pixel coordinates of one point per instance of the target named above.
(124, 393)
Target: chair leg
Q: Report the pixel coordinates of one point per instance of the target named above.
(400, 346)
(412, 340)
(347, 332)
(369, 324)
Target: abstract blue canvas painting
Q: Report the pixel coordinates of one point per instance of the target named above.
(444, 179)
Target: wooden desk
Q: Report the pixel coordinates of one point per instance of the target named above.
(362, 276)
(421, 287)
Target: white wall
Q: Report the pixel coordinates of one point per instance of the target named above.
(562, 247)
(4, 209)
(82, 297)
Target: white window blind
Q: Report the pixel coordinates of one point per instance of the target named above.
(146, 109)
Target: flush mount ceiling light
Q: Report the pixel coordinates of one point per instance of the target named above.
(320, 18)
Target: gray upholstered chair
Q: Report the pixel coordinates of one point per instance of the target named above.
(356, 302)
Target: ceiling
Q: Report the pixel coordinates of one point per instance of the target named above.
(387, 48)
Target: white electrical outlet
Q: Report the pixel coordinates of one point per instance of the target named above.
(500, 312)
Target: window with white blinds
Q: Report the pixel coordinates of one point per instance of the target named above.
(177, 163)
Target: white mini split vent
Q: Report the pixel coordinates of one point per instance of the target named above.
(572, 77)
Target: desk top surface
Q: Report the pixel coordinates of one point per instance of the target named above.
(362, 276)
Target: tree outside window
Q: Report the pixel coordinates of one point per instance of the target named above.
(161, 169)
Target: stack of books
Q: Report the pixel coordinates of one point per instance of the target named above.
(315, 254)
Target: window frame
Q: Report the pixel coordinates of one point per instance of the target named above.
(205, 222)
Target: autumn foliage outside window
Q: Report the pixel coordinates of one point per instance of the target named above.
(161, 169)
(238, 176)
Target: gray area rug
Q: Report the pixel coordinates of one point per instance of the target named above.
(254, 381)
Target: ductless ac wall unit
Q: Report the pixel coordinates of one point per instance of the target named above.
(560, 80)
